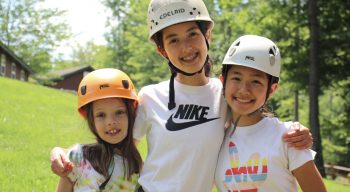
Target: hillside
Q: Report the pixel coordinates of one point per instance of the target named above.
(34, 119)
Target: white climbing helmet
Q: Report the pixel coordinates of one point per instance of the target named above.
(164, 13)
(255, 52)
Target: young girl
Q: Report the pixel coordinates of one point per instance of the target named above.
(253, 157)
(182, 118)
(107, 100)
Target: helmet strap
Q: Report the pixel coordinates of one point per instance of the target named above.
(235, 126)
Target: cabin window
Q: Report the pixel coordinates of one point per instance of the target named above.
(2, 65)
(23, 75)
(13, 71)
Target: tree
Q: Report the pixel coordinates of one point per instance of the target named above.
(314, 84)
(31, 31)
(128, 42)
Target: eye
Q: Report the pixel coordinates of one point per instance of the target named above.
(257, 82)
(120, 112)
(100, 115)
(193, 34)
(172, 41)
(235, 78)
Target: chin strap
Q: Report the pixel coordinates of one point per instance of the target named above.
(235, 126)
(171, 103)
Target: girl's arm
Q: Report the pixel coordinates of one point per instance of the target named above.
(309, 178)
(64, 185)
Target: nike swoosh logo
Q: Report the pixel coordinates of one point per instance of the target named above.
(173, 126)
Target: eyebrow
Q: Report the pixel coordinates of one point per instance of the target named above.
(173, 35)
(254, 75)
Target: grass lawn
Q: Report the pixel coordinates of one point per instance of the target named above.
(34, 119)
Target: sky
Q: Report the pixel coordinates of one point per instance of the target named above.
(86, 18)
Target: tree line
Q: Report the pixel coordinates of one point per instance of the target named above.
(313, 36)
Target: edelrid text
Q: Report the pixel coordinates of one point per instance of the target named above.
(170, 13)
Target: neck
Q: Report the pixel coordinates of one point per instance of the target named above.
(247, 120)
(195, 80)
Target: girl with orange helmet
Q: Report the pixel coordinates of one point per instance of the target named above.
(253, 157)
(107, 100)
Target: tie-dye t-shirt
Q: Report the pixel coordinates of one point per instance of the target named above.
(256, 159)
(86, 178)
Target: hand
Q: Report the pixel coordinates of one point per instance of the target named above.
(60, 164)
(300, 137)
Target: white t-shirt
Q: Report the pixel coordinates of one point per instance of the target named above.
(86, 178)
(183, 143)
(256, 158)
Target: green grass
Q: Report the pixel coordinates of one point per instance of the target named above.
(33, 120)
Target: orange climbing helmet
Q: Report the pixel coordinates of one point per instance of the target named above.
(104, 83)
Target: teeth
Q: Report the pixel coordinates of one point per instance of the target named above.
(113, 131)
(190, 57)
(243, 100)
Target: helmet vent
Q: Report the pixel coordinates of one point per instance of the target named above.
(125, 84)
(232, 51)
(273, 51)
(237, 44)
(83, 90)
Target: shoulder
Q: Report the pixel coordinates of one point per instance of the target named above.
(152, 88)
(215, 82)
(278, 125)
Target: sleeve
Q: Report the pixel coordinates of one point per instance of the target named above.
(141, 125)
(75, 155)
(296, 157)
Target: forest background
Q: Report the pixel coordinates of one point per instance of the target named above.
(313, 37)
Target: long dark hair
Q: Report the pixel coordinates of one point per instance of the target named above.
(100, 154)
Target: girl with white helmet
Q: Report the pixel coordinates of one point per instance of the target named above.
(253, 157)
(107, 100)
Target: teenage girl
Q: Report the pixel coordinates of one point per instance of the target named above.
(253, 156)
(107, 100)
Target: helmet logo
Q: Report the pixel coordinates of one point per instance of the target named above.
(171, 13)
(249, 58)
(83, 90)
(104, 86)
(125, 84)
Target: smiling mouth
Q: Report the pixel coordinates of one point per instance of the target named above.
(190, 57)
(243, 101)
(113, 132)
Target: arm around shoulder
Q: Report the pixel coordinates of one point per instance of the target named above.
(309, 178)
(64, 185)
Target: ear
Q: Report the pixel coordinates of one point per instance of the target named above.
(208, 35)
(221, 78)
(273, 89)
(162, 52)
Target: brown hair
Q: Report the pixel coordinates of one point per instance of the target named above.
(100, 154)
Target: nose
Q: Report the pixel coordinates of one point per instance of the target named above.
(244, 88)
(187, 46)
(112, 121)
